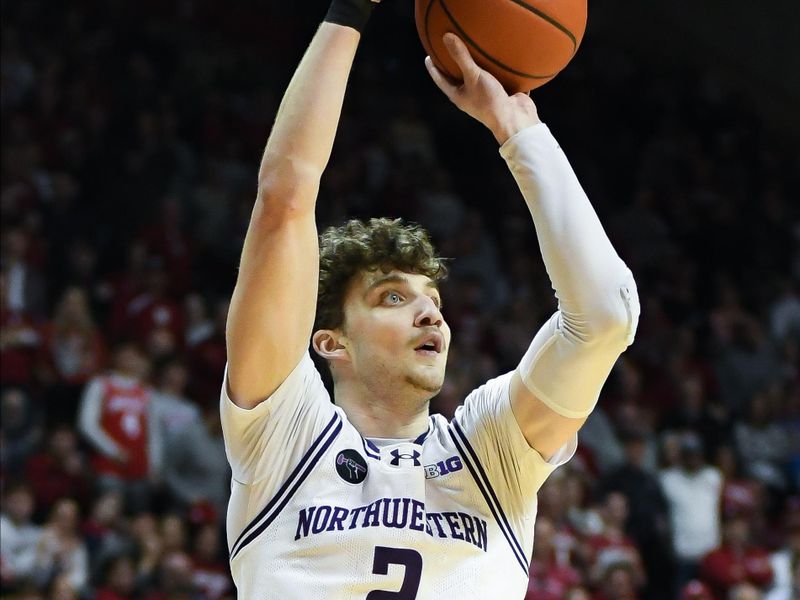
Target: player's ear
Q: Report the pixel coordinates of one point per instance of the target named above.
(328, 344)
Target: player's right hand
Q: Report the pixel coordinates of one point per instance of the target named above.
(481, 95)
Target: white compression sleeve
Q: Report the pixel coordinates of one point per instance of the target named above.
(89, 419)
(598, 307)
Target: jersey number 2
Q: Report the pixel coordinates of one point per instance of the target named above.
(412, 561)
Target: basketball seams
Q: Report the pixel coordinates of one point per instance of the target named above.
(551, 20)
(434, 55)
(472, 42)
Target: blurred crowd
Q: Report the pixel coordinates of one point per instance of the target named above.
(131, 134)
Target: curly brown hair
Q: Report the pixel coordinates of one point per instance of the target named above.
(357, 246)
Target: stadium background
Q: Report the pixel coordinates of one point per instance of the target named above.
(131, 134)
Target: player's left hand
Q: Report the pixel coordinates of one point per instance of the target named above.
(481, 95)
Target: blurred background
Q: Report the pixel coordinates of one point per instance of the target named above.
(131, 135)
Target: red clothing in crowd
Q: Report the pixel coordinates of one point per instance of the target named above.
(607, 550)
(739, 496)
(19, 348)
(50, 480)
(549, 581)
(124, 416)
(207, 363)
(146, 313)
(108, 594)
(212, 579)
(724, 568)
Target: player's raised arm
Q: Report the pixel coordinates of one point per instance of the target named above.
(273, 304)
(559, 379)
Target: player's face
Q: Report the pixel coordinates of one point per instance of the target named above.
(395, 332)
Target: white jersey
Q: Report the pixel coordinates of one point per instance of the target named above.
(318, 512)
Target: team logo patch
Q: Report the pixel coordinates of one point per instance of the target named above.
(351, 466)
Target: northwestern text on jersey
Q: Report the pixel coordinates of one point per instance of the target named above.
(397, 513)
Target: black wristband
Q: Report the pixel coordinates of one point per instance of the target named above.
(350, 13)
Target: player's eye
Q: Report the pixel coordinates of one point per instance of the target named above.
(392, 298)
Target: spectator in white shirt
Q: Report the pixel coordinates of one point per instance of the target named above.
(786, 561)
(18, 537)
(61, 550)
(693, 490)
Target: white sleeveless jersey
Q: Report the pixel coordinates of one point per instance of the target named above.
(318, 512)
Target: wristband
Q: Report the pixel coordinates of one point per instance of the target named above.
(350, 13)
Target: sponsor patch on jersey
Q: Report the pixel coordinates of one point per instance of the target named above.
(412, 457)
(351, 466)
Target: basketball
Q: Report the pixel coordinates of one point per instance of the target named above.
(523, 43)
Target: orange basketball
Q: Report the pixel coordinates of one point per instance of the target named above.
(524, 43)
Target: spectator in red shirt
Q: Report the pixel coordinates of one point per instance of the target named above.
(736, 561)
(116, 417)
(58, 471)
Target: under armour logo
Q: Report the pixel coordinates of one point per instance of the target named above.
(397, 457)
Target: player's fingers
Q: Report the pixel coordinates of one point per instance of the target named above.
(458, 50)
(442, 81)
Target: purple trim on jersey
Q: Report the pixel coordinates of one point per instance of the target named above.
(284, 494)
(424, 436)
(371, 449)
(485, 488)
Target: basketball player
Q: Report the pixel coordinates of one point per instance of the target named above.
(370, 498)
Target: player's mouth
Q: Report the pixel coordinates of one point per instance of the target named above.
(430, 344)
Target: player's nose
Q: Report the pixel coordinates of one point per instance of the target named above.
(428, 314)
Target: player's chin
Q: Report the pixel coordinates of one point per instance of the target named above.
(428, 378)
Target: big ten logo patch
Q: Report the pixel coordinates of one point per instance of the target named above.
(444, 467)
(351, 466)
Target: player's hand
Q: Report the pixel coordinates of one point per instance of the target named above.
(481, 96)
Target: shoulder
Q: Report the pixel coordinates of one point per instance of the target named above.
(487, 397)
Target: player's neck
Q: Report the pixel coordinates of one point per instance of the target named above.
(381, 415)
